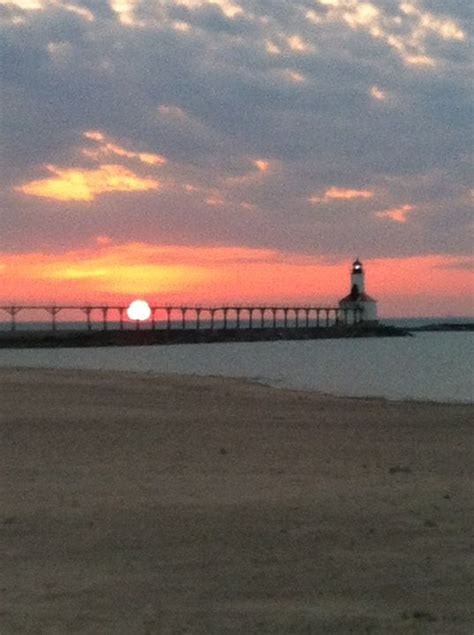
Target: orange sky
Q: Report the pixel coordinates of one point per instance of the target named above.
(118, 273)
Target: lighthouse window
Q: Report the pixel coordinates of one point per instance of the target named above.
(357, 268)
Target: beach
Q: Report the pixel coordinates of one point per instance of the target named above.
(135, 503)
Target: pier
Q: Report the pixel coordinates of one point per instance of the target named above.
(103, 325)
(104, 317)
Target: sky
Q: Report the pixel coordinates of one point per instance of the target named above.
(206, 152)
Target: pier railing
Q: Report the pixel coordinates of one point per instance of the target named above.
(107, 317)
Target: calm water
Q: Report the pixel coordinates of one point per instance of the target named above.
(430, 366)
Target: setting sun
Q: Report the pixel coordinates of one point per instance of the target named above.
(139, 310)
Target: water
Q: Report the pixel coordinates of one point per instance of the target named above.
(428, 366)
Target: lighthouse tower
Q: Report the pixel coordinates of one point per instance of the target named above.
(357, 298)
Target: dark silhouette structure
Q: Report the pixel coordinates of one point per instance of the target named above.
(198, 318)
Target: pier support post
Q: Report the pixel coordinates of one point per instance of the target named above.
(153, 320)
(327, 317)
(250, 318)
(274, 317)
(307, 317)
(121, 310)
(183, 317)
(225, 317)
(262, 318)
(168, 318)
(212, 312)
(318, 311)
(105, 311)
(285, 316)
(198, 319)
(12, 311)
(88, 310)
(53, 311)
(297, 318)
(238, 318)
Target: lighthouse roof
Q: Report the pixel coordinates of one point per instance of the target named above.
(361, 297)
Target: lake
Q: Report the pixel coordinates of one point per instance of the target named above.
(427, 366)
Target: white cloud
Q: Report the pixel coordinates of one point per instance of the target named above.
(228, 8)
(406, 33)
(293, 76)
(125, 9)
(339, 193)
(377, 93)
(298, 45)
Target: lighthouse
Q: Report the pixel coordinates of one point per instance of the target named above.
(358, 298)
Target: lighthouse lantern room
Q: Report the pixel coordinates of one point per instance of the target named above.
(357, 298)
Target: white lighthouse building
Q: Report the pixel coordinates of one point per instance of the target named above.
(358, 298)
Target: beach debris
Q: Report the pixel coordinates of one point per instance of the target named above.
(398, 469)
(223, 451)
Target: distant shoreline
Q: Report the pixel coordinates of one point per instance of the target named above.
(445, 326)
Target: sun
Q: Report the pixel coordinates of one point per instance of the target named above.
(139, 310)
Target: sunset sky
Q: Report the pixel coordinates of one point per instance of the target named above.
(201, 151)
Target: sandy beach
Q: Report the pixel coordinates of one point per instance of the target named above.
(135, 504)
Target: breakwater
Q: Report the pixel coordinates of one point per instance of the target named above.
(118, 337)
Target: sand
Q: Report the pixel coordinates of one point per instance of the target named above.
(137, 504)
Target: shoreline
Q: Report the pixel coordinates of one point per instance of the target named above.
(237, 380)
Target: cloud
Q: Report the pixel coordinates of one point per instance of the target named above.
(377, 93)
(338, 193)
(407, 33)
(261, 165)
(24, 5)
(85, 184)
(396, 214)
(107, 147)
(297, 44)
(293, 76)
(76, 184)
(125, 10)
(215, 200)
(261, 168)
(228, 8)
(41, 5)
(272, 48)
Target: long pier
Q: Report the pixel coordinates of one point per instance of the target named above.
(197, 317)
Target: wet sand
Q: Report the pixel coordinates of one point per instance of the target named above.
(133, 504)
